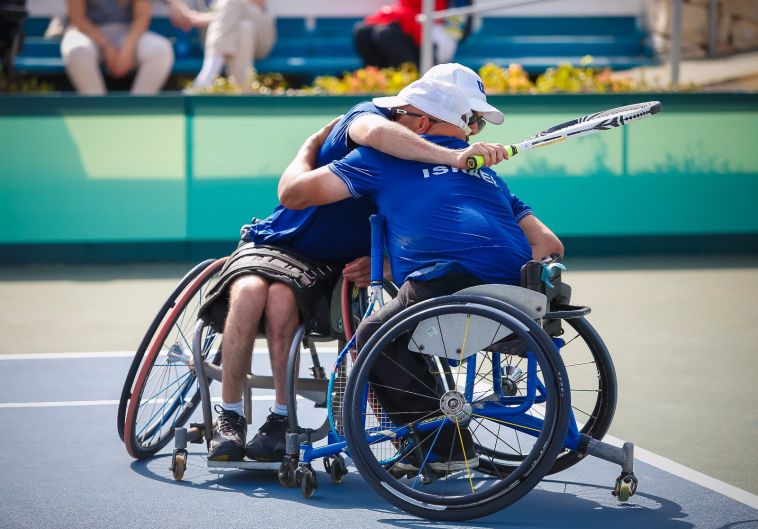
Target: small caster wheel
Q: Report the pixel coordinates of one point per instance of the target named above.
(286, 472)
(308, 482)
(337, 470)
(178, 463)
(626, 486)
(327, 465)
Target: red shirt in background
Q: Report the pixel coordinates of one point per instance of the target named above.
(403, 12)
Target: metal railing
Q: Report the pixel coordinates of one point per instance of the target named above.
(428, 16)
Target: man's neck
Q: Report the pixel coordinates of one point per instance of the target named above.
(446, 129)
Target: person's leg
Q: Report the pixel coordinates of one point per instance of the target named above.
(395, 46)
(247, 299)
(282, 318)
(221, 40)
(363, 39)
(82, 63)
(240, 64)
(155, 57)
(403, 382)
(265, 31)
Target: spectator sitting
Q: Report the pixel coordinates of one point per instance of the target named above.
(115, 32)
(392, 36)
(237, 31)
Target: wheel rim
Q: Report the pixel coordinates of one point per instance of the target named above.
(465, 489)
(166, 392)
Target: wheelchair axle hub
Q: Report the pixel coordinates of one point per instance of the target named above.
(453, 404)
(511, 379)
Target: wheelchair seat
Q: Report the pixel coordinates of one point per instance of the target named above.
(475, 332)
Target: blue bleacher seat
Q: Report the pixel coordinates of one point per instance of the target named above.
(327, 49)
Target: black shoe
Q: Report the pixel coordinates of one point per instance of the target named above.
(269, 443)
(229, 434)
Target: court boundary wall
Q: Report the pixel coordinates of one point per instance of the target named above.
(171, 178)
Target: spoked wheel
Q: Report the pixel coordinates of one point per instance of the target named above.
(440, 468)
(593, 390)
(166, 391)
(148, 338)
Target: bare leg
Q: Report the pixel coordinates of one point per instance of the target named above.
(282, 318)
(247, 299)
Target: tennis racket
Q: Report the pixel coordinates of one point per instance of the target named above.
(590, 124)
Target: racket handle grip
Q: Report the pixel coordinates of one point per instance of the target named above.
(476, 161)
(377, 249)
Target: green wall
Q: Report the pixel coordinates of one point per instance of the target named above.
(119, 169)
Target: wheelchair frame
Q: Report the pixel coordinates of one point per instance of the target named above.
(506, 307)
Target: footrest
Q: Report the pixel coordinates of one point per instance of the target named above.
(246, 465)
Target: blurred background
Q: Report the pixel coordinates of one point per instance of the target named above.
(106, 200)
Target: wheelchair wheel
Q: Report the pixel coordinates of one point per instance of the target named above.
(593, 391)
(148, 338)
(166, 391)
(438, 470)
(593, 384)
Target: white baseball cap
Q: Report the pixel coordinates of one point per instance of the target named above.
(441, 100)
(467, 80)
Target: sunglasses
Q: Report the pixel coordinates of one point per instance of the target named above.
(477, 118)
(397, 112)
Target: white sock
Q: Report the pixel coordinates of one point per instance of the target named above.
(236, 407)
(212, 65)
(279, 409)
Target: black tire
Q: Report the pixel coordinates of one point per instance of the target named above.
(171, 386)
(596, 416)
(593, 392)
(450, 499)
(126, 391)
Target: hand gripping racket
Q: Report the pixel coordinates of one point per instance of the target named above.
(590, 124)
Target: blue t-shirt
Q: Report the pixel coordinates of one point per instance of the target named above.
(441, 219)
(334, 233)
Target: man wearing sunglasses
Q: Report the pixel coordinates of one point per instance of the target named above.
(467, 80)
(447, 229)
(286, 266)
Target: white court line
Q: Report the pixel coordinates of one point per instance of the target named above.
(681, 471)
(121, 354)
(665, 464)
(72, 403)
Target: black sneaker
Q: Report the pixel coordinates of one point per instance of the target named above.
(229, 434)
(269, 443)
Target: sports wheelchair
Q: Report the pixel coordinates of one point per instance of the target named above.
(517, 367)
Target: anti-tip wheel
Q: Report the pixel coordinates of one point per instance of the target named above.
(626, 486)
(179, 464)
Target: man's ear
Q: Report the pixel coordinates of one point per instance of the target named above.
(424, 124)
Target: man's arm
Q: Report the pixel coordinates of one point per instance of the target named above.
(372, 130)
(541, 239)
(301, 186)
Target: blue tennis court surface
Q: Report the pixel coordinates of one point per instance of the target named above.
(63, 465)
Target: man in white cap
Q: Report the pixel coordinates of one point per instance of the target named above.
(467, 80)
(447, 229)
